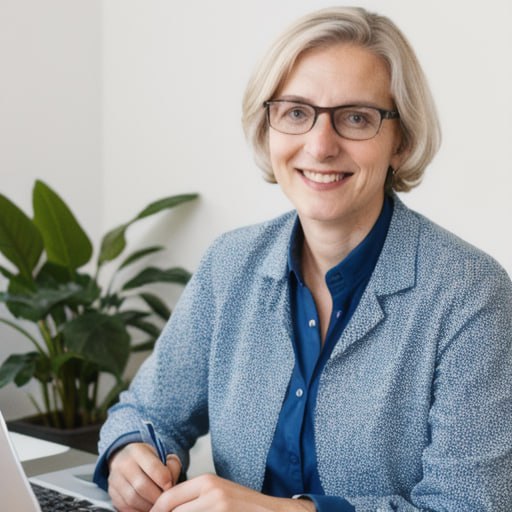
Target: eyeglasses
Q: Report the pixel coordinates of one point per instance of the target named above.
(354, 122)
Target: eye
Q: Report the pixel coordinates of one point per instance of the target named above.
(297, 114)
(355, 119)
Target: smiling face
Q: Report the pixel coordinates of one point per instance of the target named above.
(330, 179)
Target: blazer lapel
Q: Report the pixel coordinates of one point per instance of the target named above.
(395, 271)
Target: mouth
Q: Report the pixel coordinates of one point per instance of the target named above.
(324, 177)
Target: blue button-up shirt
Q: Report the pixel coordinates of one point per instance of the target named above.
(291, 462)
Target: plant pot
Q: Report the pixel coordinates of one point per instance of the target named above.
(81, 438)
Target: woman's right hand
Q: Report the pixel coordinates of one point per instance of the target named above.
(137, 477)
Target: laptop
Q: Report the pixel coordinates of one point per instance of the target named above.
(68, 490)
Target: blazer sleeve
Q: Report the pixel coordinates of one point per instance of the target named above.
(171, 387)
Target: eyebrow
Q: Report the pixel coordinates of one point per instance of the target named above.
(301, 99)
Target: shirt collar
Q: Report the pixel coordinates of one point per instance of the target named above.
(357, 265)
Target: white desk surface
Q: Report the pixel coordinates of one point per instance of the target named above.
(29, 448)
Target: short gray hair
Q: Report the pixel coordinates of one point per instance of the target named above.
(421, 134)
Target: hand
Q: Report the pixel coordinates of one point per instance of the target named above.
(138, 477)
(210, 493)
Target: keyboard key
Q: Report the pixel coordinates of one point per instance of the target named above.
(54, 501)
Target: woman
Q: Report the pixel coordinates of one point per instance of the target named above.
(351, 353)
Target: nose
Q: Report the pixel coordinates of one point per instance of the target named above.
(323, 143)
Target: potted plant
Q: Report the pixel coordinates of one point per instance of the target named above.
(83, 329)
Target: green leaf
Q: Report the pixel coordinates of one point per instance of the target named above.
(165, 203)
(37, 305)
(131, 314)
(113, 300)
(64, 240)
(157, 305)
(6, 273)
(20, 241)
(100, 339)
(58, 361)
(56, 277)
(157, 275)
(18, 286)
(18, 368)
(88, 372)
(24, 300)
(146, 327)
(137, 255)
(25, 374)
(144, 346)
(86, 291)
(114, 242)
(43, 371)
(51, 275)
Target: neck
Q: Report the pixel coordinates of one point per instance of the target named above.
(328, 243)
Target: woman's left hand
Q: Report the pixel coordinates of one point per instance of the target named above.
(210, 493)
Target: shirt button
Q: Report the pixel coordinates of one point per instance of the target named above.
(294, 459)
(299, 392)
(312, 323)
(338, 314)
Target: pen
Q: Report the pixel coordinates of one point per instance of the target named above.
(156, 441)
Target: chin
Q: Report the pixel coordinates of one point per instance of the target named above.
(320, 215)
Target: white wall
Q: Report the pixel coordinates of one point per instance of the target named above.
(50, 121)
(172, 77)
(174, 74)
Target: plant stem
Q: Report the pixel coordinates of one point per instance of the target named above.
(54, 410)
(68, 396)
(47, 337)
(94, 407)
(82, 398)
(46, 398)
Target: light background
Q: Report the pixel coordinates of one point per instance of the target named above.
(120, 102)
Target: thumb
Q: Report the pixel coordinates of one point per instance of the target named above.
(174, 466)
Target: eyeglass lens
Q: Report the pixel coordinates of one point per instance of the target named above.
(356, 123)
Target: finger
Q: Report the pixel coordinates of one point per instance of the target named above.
(138, 474)
(117, 499)
(178, 495)
(125, 496)
(158, 472)
(174, 466)
(121, 506)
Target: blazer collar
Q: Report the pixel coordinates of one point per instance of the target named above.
(275, 263)
(395, 269)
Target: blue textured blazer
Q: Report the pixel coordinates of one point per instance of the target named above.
(414, 408)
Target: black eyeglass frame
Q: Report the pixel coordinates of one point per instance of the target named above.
(384, 114)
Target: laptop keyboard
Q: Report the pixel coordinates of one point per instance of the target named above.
(54, 501)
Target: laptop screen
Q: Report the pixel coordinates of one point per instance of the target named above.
(14, 487)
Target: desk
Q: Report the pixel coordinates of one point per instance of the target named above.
(64, 460)
(38, 456)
